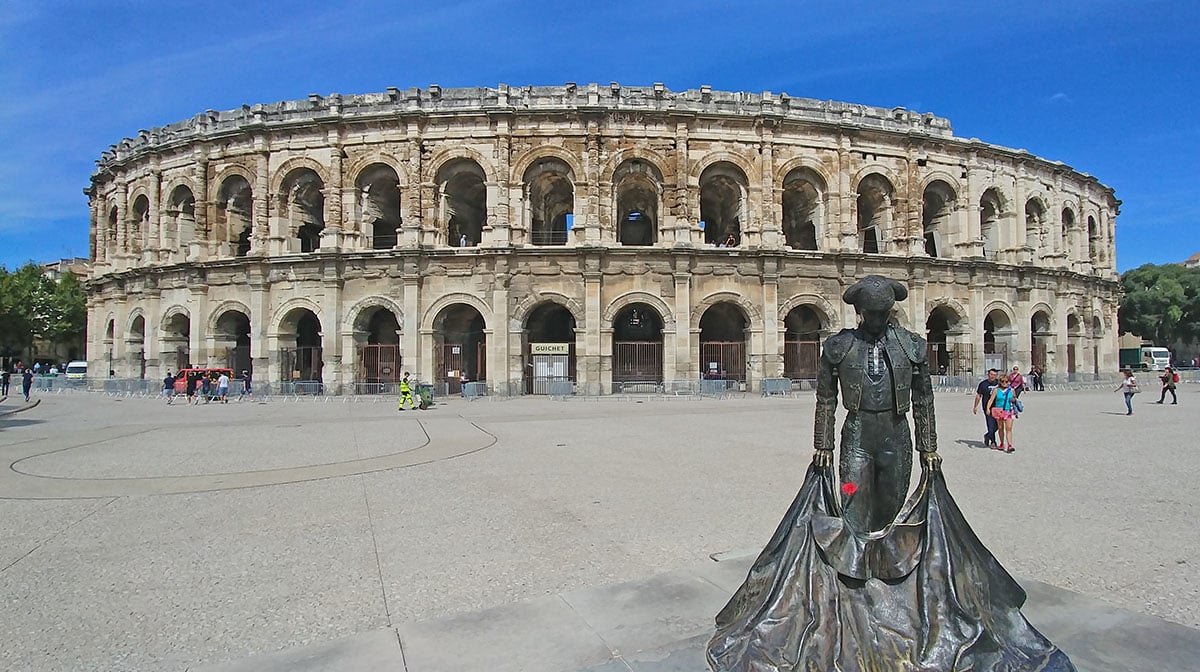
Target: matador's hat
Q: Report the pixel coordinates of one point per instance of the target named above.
(875, 292)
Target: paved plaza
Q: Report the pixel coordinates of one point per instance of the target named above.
(140, 536)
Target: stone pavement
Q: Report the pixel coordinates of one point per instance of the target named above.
(138, 536)
(662, 624)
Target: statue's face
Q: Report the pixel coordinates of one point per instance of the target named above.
(875, 322)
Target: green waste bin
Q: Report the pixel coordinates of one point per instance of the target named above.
(425, 393)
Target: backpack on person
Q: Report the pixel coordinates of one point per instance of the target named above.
(1175, 377)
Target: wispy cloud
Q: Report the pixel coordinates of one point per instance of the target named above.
(1060, 98)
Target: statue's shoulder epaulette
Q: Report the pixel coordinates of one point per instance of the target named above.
(913, 344)
(838, 345)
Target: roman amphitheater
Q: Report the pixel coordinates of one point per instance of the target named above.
(603, 237)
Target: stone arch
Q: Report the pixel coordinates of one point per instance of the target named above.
(724, 202)
(225, 306)
(829, 316)
(230, 171)
(637, 198)
(939, 200)
(446, 155)
(526, 160)
(1003, 307)
(531, 301)
(170, 313)
(378, 204)
(138, 221)
(233, 222)
(875, 168)
(174, 182)
(361, 307)
(994, 208)
(798, 163)
(956, 308)
(296, 163)
(754, 320)
(446, 300)
(355, 168)
(803, 200)
(656, 160)
(548, 186)
(290, 305)
(628, 298)
(1037, 222)
(461, 194)
(873, 210)
(951, 181)
(711, 159)
(131, 318)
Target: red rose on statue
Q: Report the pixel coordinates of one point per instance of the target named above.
(849, 489)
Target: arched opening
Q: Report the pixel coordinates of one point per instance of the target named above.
(112, 224)
(990, 208)
(998, 337)
(637, 349)
(175, 338)
(377, 340)
(1093, 249)
(936, 208)
(874, 212)
(301, 356)
(946, 358)
(135, 347)
(549, 186)
(1041, 335)
(803, 208)
(1036, 226)
(802, 343)
(379, 204)
(233, 334)
(181, 220)
(549, 350)
(723, 190)
(463, 201)
(302, 200)
(636, 185)
(460, 346)
(139, 223)
(723, 343)
(235, 216)
(1066, 234)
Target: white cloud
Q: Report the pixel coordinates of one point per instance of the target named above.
(1060, 98)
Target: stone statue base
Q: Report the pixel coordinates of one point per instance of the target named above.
(921, 595)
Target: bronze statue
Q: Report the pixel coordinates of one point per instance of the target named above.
(870, 582)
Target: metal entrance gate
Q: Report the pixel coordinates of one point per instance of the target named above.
(301, 370)
(551, 367)
(1071, 362)
(723, 360)
(800, 359)
(378, 369)
(452, 364)
(238, 359)
(949, 359)
(995, 356)
(637, 361)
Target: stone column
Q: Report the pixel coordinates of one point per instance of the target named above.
(201, 234)
(331, 235)
(414, 193)
(844, 224)
(772, 343)
(680, 341)
(265, 370)
(417, 356)
(770, 222)
(198, 323)
(154, 245)
(123, 237)
(332, 374)
(684, 222)
(595, 360)
(588, 230)
(152, 302)
(498, 374)
(499, 219)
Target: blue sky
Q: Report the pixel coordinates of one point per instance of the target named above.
(1106, 87)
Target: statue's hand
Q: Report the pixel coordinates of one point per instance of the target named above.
(823, 458)
(931, 461)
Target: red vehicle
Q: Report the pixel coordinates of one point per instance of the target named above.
(213, 375)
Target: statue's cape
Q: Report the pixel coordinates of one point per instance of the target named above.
(922, 595)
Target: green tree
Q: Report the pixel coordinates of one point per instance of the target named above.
(34, 307)
(1161, 303)
(68, 310)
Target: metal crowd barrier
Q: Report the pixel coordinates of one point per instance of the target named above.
(717, 388)
(776, 386)
(637, 387)
(476, 390)
(686, 387)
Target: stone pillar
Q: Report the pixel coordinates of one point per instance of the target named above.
(501, 215)
(596, 359)
(331, 235)
(685, 222)
(498, 373)
(413, 196)
(679, 342)
(201, 234)
(332, 374)
(260, 225)
(588, 229)
(154, 245)
(844, 224)
(772, 343)
(265, 369)
(152, 302)
(417, 355)
(123, 238)
(198, 323)
(770, 222)
(97, 237)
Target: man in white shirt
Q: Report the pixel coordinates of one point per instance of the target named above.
(223, 388)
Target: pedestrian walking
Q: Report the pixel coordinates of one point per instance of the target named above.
(406, 393)
(1002, 406)
(27, 382)
(223, 388)
(1130, 387)
(1015, 382)
(190, 387)
(205, 388)
(5, 377)
(1035, 379)
(168, 390)
(983, 392)
(1169, 379)
(247, 390)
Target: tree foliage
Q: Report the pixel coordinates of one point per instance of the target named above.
(33, 306)
(1161, 303)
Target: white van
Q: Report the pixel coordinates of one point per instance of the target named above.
(76, 370)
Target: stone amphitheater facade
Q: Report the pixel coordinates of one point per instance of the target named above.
(617, 237)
